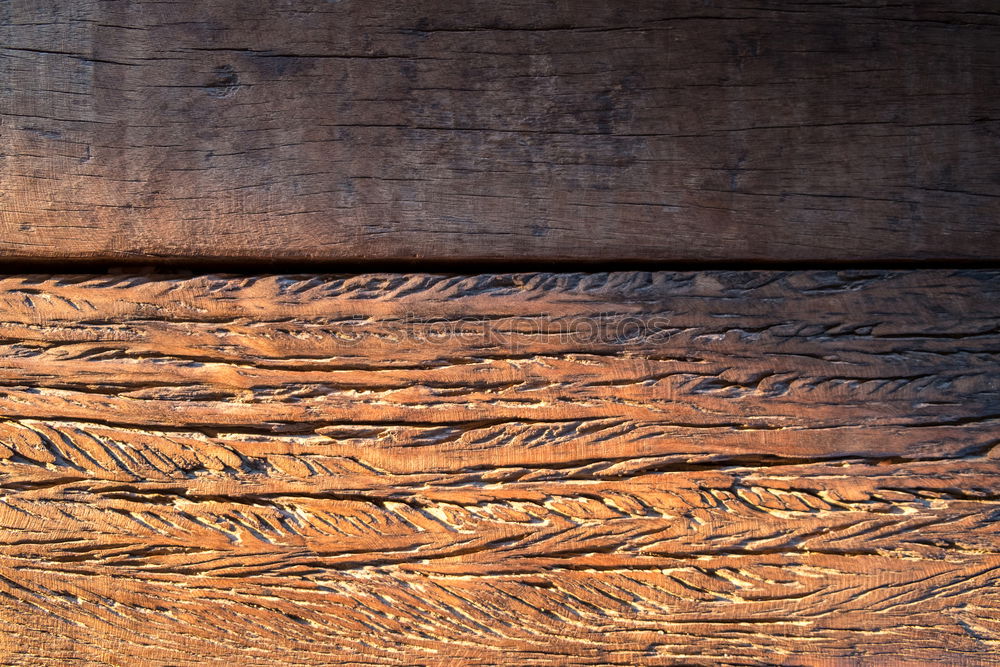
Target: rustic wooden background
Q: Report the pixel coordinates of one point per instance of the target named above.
(684, 130)
(499, 333)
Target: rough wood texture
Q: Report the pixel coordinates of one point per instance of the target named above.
(541, 469)
(499, 129)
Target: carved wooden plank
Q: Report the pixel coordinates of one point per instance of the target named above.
(586, 130)
(627, 468)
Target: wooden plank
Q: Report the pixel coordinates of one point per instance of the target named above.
(542, 469)
(487, 130)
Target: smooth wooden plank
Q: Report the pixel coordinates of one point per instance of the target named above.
(428, 130)
(701, 468)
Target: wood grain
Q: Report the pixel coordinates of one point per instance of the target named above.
(703, 468)
(589, 130)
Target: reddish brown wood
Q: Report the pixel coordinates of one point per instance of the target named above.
(552, 469)
(586, 130)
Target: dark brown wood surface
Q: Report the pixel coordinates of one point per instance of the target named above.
(701, 468)
(577, 130)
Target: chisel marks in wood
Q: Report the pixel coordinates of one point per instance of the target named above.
(626, 468)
